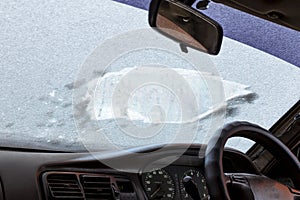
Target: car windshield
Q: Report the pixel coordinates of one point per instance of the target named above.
(91, 75)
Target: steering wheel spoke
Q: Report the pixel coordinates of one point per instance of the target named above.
(238, 186)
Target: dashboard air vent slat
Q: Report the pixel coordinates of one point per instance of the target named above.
(64, 186)
(97, 187)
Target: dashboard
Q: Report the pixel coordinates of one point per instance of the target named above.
(165, 184)
(59, 176)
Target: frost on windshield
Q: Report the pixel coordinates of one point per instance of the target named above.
(44, 118)
(43, 109)
(43, 49)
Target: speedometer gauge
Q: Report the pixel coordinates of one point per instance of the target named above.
(199, 181)
(158, 184)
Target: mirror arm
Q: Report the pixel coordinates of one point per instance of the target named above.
(202, 4)
(183, 48)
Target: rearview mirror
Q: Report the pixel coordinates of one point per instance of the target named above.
(186, 25)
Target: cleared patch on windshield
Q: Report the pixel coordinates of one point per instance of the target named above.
(147, 97)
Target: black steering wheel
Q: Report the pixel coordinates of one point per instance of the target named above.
(248, 186)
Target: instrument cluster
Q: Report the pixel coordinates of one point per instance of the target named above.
(169, 183)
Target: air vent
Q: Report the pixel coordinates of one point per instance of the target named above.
(86, 186)
(64, 186)
(97, 187)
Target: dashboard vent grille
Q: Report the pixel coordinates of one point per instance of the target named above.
(64, 186)
(97, 187)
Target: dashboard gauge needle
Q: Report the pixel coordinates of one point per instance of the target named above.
(155, 192)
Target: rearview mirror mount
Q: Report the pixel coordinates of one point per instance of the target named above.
(186, 25)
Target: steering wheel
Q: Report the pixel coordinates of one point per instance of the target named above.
(249, 186)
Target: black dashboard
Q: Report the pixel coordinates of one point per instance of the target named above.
(163, 184)
(51, 176)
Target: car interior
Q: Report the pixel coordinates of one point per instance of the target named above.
(270, 169)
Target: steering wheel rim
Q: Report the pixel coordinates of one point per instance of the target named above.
(216, 180)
